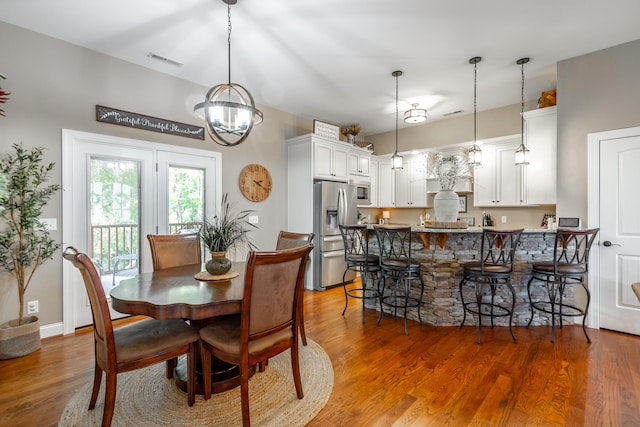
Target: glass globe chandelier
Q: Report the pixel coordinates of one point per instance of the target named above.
(228, 109)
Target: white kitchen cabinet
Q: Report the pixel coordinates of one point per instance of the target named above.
(330, 160)
(498, 182)
(359, 164)
(411, 183)
(386, 190)
(541, 138)
(463, 185)
(373, 183)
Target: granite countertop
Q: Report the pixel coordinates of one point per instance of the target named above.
(417, 228)
(474, 230)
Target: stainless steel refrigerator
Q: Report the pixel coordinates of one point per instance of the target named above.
(334, 203)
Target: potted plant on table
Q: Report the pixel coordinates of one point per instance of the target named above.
(25, 242)
(224, 232)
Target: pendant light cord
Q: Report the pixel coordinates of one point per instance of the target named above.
(396, 114)
(475, 99)
(229, 40)
(522, 105)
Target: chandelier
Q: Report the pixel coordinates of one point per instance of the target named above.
(228, 109)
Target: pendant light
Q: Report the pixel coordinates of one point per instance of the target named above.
(396, 159)
(229, 109)
(475, 153)
(415, 114)
(522, 153)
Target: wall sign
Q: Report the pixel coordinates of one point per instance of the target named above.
(327, 130)
(134, 120)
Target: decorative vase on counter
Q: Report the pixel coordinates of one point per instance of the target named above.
(445, 205)
(219, 264)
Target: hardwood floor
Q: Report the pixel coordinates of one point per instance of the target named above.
(435, 376)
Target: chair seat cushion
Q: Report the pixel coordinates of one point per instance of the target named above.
(399, 264)
(564, 269)
(150, 337)
(224, 334)
(362, 259)
(489, 268)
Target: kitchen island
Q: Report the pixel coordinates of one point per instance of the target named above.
(441, 253)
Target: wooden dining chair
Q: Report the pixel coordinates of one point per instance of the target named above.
(267, 324)
(174, 250)
(289, 240)
(133, 346)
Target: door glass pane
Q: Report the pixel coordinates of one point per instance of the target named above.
(115, 217)
(186, 199)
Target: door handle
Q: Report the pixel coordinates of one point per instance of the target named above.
(608, 243)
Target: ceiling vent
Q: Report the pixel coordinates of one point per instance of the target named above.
(452, 113)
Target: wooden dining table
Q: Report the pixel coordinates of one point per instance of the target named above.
(175, 293)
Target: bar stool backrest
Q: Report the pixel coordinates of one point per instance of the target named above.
(573, 246)
(499, 247)
(356, 240)
(394, 244)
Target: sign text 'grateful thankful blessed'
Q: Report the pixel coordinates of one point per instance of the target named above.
(134, 120)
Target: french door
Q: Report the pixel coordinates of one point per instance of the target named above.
(116, 191)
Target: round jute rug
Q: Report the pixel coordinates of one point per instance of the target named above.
(147, 398)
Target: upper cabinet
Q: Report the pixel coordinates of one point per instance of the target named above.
(541, 137)
(359, 164)
(411, 183)
(330, 160)
(499, 182)
(386, 180)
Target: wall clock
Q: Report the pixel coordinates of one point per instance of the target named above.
(255, 182)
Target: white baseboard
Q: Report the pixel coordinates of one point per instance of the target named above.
(51, 330)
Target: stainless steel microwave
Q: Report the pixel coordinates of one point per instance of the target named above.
(363, 192)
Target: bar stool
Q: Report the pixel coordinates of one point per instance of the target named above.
(358, 258)
(497, 249)
(397, 265)
(569, 266)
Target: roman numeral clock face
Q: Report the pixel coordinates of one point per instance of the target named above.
(255, 182)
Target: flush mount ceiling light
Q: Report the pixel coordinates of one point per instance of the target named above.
(475, 153)
(228, 109)
(522, 153)
(415, 114)
(396, 159)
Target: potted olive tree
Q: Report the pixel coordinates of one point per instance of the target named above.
(24, 241)
(225, 231)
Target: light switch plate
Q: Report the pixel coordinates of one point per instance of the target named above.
(253, 219)
(50, 224)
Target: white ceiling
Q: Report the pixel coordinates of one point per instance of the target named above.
(332, 60)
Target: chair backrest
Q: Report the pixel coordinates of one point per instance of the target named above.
(572, 246)
(272, 286)
(289, 240)
(394, 245)
(499, 247)
(174, 250)
(355, 239)
(102, 326)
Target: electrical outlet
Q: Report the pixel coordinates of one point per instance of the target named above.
(50, 224)
(33, 307)
(504, 219)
